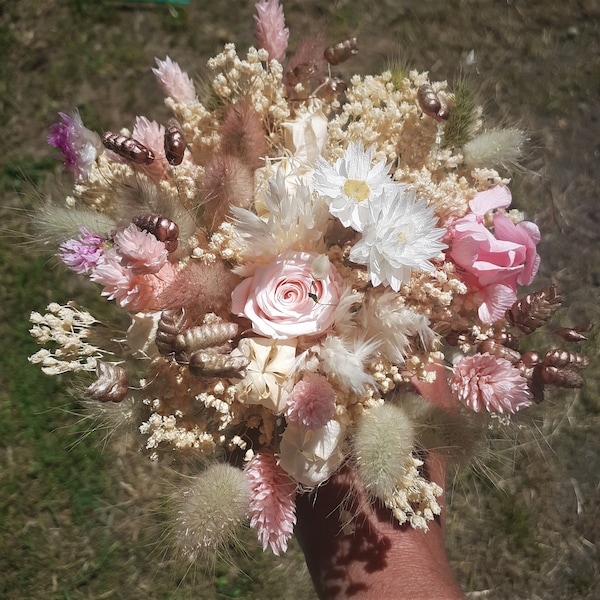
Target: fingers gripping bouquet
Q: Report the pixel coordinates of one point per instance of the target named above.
(290, 260)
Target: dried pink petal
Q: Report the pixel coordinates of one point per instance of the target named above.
(483, 381)
(175, 82)
(312, 402)
(272, 502)
(270, 30)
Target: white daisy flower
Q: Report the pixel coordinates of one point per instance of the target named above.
(351, 184)
(400, 237)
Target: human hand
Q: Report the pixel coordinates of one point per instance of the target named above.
(379, 558)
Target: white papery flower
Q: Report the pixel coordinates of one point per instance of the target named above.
(312, 456)
(306, 134)
(268, 378)
(291, 220)
(399, 237)
(351, 184)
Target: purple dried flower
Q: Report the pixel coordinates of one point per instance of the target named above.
(80, 146)
(82, 255)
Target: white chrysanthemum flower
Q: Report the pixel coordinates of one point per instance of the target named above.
(400, 237)
(351, 184)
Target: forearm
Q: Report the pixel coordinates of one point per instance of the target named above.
(379, 559)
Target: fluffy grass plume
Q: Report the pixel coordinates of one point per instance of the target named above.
(456, 434)
(384, 439)
(464, 116)
(210, 513)
(495, 148)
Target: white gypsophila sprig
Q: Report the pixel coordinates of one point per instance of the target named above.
(400, 237)
(351, 184)
(66, 327)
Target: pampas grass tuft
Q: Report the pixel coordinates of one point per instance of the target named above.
(382, 444)
(228, 181)
(242, 135)
(205, 286)
(210, 513)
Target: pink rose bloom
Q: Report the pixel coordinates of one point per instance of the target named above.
(311, 403)
(286, 299)
(483, 381)
(495, 263)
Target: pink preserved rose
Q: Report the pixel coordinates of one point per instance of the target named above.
(493, 264)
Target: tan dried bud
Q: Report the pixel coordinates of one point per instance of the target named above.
(561, 358)
(432, 104)
(208, 335)
(170, 325)
(213, 364)
(573, 334)
(534, 310)
(341, 51)
(112, 383)
(499, 351)
(567, 377)
(507, 339)
(531, 358)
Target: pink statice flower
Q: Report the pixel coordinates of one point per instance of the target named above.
(494, 263)
(152, 135)
(79, 145)
(270, 30)
(272, 509)
(83, 254)
(140, 251)
(312, 402)
(485, 382)
(175, 82)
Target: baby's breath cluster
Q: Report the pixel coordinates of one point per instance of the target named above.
(295, 252)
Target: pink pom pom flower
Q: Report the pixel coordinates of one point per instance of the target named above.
(483, 381)
(311, 403)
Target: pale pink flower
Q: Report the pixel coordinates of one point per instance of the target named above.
(287, 298)
(80, 146)
(270, 30)
(483, 381)
(136, 293)
(83, 254)
(152, 135)
(493, 264)
(272, 502)
(140, 251)
(312, 402)
(175, 82)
